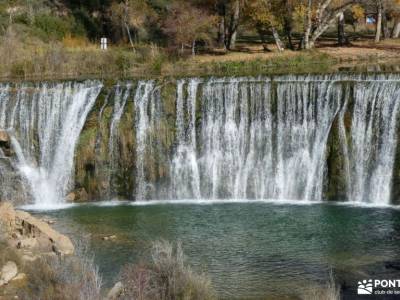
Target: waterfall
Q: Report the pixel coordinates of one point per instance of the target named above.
(146, 103)
(45, 121)
(121, 96)
(248, 150)
(259, 138)
(295, 137)
(374, 140)
(185, 172)
(305, 114)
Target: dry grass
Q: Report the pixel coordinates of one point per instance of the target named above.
(26, 57)
(23, 57)
(330, 291)
(69, 278)
(6, 252)
(166, 277)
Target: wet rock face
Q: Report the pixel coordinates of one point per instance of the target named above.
(78, 195)
(5, 143)
(4, 137)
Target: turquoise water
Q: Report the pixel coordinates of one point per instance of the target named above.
(250, 250)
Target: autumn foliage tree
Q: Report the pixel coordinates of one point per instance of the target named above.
(186, 25)
(265, 16)
(130, 16)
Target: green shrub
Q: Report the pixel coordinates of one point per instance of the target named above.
(51, 26)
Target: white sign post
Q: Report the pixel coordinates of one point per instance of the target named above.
(103, 44)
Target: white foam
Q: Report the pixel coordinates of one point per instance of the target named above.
(47, 206)
(115, 203)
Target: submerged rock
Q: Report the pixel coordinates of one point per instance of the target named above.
(110, 237)
(8, 272)
(48, 220)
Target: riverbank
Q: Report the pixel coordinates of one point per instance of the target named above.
(60, 61)
(37, 262)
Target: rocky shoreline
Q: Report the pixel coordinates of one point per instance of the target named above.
(28, 239)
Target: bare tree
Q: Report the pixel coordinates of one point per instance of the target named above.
(326, 13)
(131, 16)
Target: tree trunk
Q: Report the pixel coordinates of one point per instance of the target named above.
(288, 32)
(307, 32)
(234, 25)
(129, 35)
(278, 41)
(396, 29)
(378, 23)
(325, 22)
(262, 38)
(194, 48)
(221, 32)
(385, 27)
(341, 33)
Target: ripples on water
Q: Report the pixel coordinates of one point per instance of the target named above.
(251, 249)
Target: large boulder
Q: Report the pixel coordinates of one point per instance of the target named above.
(26, 231)
(46, 236)
(8, 272)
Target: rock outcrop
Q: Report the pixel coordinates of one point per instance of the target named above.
(5, 143)
(4, 137)
(27, 232)
(79, 195)
(8, 272)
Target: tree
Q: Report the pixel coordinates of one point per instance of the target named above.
(130, 15)
(185, 25)
(342, 40)
(319, 15)
(378, 32)
(263, 14)
(384, 10)
(229, 15)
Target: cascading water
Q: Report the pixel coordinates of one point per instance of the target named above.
(146, 104)
(185, 175)
(45, 122)
(121, 96)
(253, 138)
(374, 140)
(220, 138)
(248, 148)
